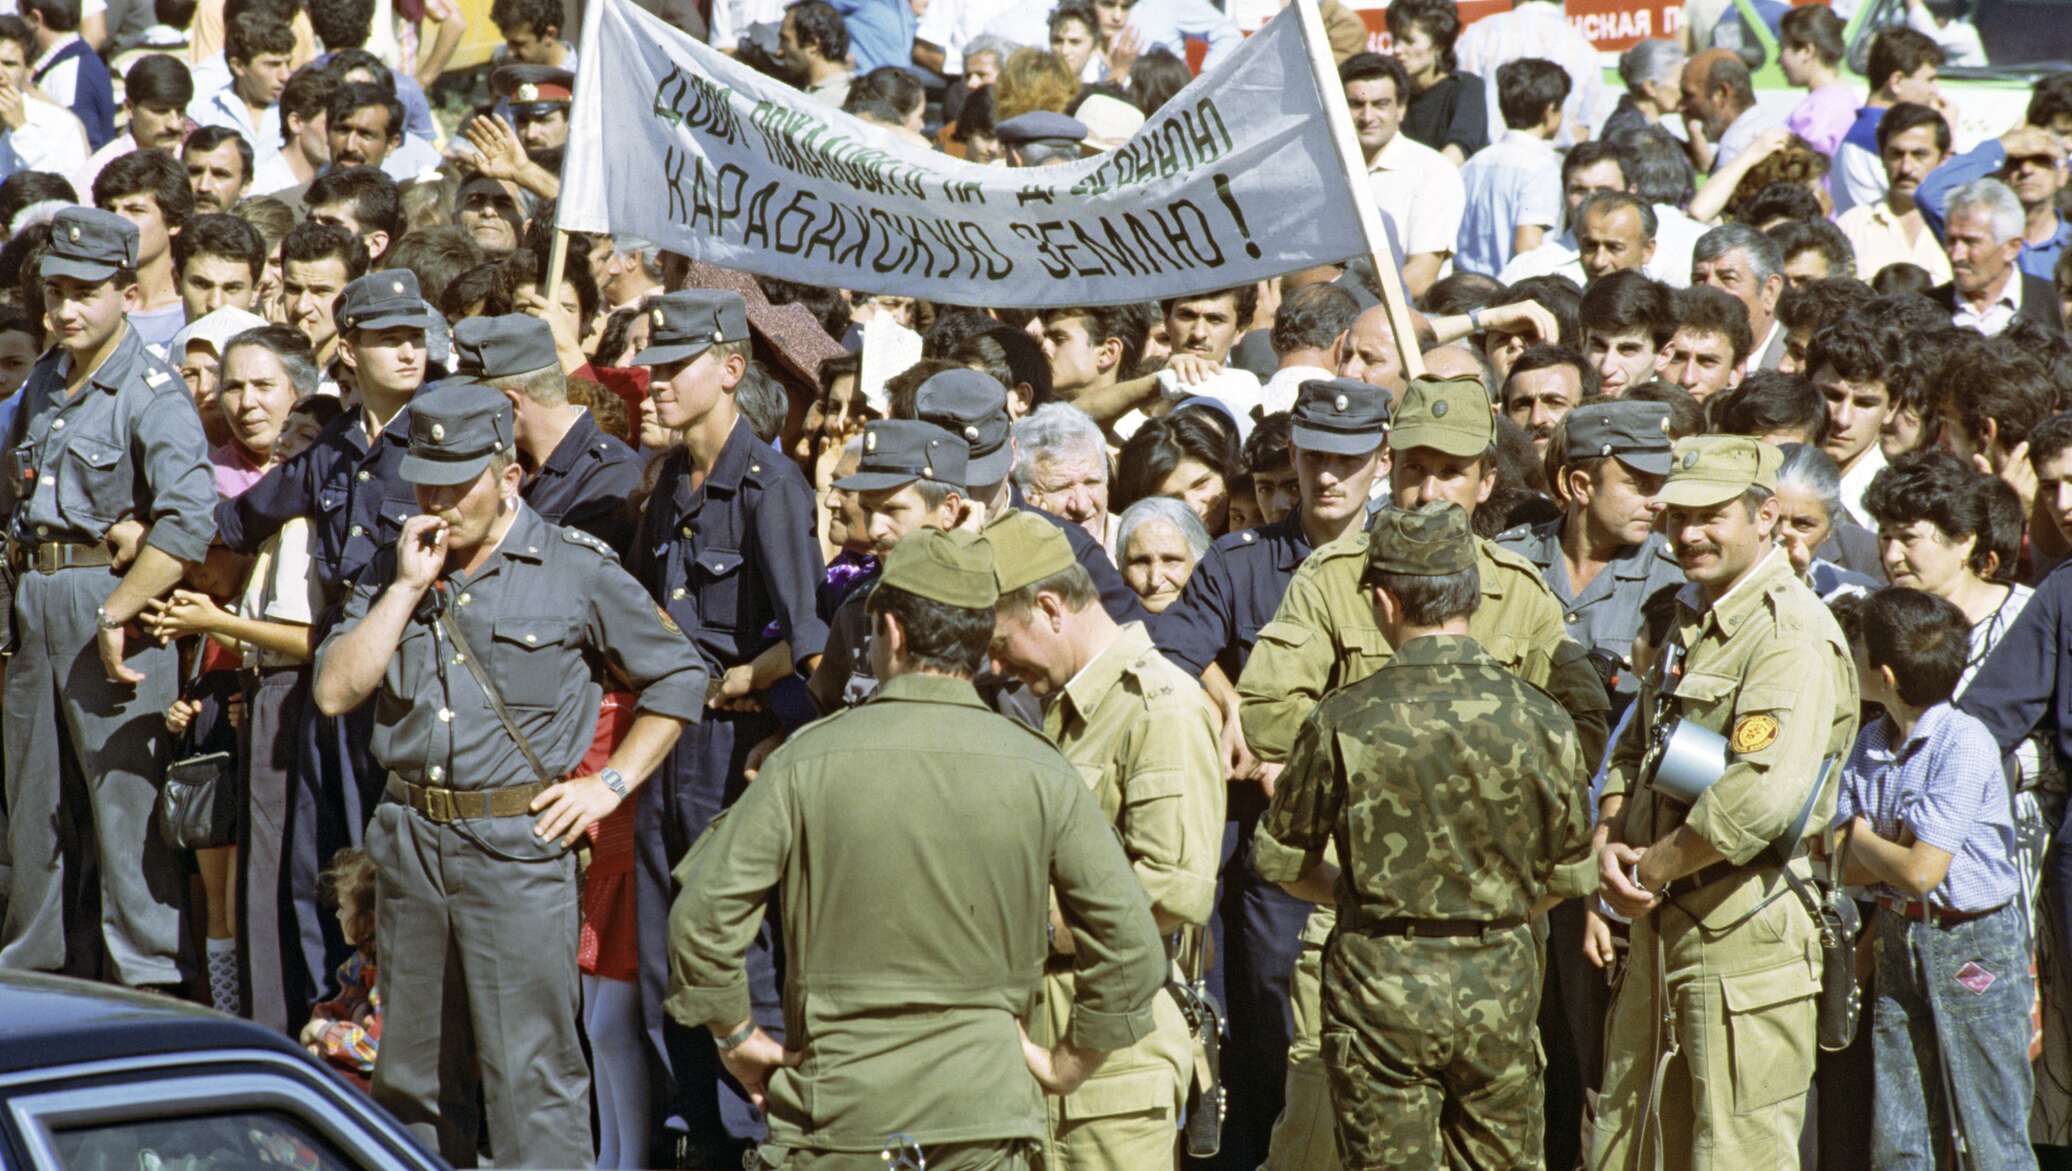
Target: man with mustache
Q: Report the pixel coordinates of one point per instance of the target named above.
(1602, 558)
(477, 629)
(1756, 659)
(1544, 385)
(1336, 446)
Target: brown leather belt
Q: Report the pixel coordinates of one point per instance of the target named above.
(51, 556)
(1921, 912)
(1717, 872)
(440, 806)
(1408, 928)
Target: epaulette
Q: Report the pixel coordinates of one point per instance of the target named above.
(1237, 540)
(590, 541)
(1511, 558)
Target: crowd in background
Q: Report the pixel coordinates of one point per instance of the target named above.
(1831, 275)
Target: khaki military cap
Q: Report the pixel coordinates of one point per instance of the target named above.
(1026, 549)
(953, 568)
(1705, 470)
(1448, 414)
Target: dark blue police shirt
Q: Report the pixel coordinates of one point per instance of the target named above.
(588, 483)
(2027, 680)
(352, 492)
(1232, 593)
(735, 554)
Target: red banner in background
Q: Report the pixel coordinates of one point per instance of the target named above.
(1611, 25)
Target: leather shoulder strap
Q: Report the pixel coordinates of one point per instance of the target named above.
(496, 699)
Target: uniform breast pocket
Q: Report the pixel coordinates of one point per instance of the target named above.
(1709, 699)
(94, 482)
(531, 659)
(719, 575)
(412, 670)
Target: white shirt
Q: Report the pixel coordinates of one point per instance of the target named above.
(1858, 479)
(1536, 29)
(1741, 134)
(1995, 318)
(1762, 348)
(62, 83)
(731, 18)
(273, 175)
(950, 25)
(1879, 237)
(83, 178)
(223, 107)
(1023, 24)
(408, 161)
(1421, 191)
(1556, 256)
(1676, 239)
(1858, 178)
(1279, 392)
(51, 139)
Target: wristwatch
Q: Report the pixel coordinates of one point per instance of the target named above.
(735, 1039)
(614, 781)
(102, 620)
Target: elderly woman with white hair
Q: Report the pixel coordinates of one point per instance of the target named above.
(1809, 502)
(1158, 542)
(1063, 468)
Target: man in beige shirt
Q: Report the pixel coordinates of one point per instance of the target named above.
(1143, 736)
(1912, 141)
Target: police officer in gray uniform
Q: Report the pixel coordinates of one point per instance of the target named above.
(1602, 559)
(105, 432)
(896, 453)
(478, 635)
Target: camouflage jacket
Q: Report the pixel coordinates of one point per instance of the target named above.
(1445, 782)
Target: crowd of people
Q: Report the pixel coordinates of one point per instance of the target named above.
(560, 690)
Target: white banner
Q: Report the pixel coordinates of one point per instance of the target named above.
(1236, 179)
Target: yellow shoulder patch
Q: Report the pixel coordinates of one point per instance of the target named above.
(668, 623)
(1753, 733)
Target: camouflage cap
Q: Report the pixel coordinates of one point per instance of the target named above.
(954, 568)
(1705, 470)
(1431, 541)
(1026, 548)
(1448, 414)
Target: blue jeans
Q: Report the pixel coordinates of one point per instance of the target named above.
(1956, 995)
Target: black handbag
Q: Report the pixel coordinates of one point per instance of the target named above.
(198, 803)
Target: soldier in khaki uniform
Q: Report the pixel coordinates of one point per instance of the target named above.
(1143, 736)
(1447, 785)
(1325, 636)
(906, 1007)
(1717, 1004)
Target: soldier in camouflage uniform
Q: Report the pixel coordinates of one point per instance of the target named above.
(1447, 785)
(1324, 636)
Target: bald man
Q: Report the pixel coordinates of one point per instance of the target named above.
(1719, 109)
